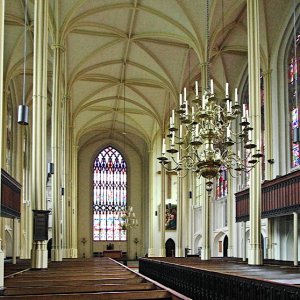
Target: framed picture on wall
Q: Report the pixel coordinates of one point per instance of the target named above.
(171, 217)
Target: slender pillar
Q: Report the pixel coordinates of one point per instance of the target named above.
(151, 206)
(39, 253)
(2, 9)
(255, 257)
(56, 251)
(295, 238)
(230, 199)
(72, 227)
(179, 218)
(205, 254)
(268, 125)
(244, 241)
(15, 241)
(163, 213)
(270, 238)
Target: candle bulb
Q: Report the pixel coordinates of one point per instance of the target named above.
(228, 106)
(196, 88)
(244, 110)
(186, 108)
(228, 132)
(163, 151)
(203, 101)
(184, 94)
(180, 99)
(173, 117)
(180, 132)
(249, 135)
(197, 130)
(236, 95)
(211, 86)
(173, 139)
(227, 90)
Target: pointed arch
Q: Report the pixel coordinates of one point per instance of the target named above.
(109, 195)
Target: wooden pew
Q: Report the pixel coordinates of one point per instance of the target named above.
(96, 278)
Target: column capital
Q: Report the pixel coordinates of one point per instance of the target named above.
(267, 72)
(57, 46)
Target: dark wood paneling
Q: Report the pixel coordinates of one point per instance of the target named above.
(10, 196)
(280, 196)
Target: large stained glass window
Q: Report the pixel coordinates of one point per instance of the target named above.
(293, 71)
(110, 195)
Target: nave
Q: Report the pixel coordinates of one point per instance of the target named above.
(94, 278)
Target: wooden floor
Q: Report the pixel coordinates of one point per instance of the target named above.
(275, 272)
(96, 278)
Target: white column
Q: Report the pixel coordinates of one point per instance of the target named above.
(295, 238)
(2, 8)
(72, 227)
(255, 257)
(151, 206)
(244, 240)
(230, 199)
(268, 125)
(163, 213)
(205, 253)
(39, 253)
(179, 218)
(270, 238)
(56, 251)
(15, 241)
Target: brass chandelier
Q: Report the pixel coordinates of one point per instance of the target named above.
(128, 218)
(206, 131)
(203, 142)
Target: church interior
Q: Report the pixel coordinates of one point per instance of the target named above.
(149, 131)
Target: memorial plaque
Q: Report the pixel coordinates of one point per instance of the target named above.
(40, 225)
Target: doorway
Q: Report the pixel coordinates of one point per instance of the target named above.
(170, 248)
(225, 246)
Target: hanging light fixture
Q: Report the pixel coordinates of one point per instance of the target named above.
(23, 109)
(127, 217)
(205, 134)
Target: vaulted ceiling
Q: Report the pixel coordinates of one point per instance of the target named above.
(125, 61)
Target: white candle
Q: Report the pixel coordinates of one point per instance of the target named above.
(228, 106)
(177, 157)
(163, 151)
(171, 122)
(227, 90)
(249, 135)
(184, 94)
(228, 131)
(197, 130)
(236, 95)
(239, 153)
(180, 99)
(203, 101)
(196, 88)
(212, 86)
(173, 117)
(180, 131)
(173, 139)
(244, 110)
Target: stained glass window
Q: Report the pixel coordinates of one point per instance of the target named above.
(110, 195)
(293, 82)
(222, 184)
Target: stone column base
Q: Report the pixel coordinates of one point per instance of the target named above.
(56, 255)
(255, 256)
(205, 254)
(39, 255)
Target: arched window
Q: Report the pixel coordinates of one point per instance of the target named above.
(293, 102)
(110, 195)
